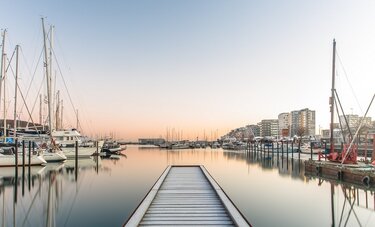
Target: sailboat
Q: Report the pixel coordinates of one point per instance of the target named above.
(350, 151)
(7, 155)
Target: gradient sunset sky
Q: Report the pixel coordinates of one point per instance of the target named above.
(136, 68)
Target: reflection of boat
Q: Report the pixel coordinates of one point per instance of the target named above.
(181, 146)
(82, 163)
(34, 170)
(10, 160)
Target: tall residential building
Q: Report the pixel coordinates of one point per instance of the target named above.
(284, 124)
(269, 127)
(302, 121)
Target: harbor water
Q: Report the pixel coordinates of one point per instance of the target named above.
(269, 191)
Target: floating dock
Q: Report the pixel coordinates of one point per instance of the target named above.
(186, 196)
(356, 174)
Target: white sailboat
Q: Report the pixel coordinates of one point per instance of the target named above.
(53, 153)
(7, 157)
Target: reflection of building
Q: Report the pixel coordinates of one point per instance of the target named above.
(151, 141)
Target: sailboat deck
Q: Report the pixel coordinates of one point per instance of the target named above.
(186, 196)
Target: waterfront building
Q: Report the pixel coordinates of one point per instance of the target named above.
(255, 129)
(302, 122)
(284, 124)
(151, 141)
(354, 121)
(269, 127)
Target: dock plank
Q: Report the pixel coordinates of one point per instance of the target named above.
(186, 196)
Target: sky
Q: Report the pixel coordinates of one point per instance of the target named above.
(201, 68)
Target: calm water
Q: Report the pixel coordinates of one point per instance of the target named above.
(105, 192)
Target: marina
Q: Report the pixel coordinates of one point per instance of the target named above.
(187, 113)
(256, 183)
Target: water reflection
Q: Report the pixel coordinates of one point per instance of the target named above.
(104, 192)
(28, 192)
(351, 205)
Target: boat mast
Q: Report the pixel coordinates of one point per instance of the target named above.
(40, 110)
(57, 111)
(49, 101)
(332, 99)
(15, 98)
(5, 109)
(2, 71)
(61, 118)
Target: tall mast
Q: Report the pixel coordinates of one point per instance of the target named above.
(5, 109)
(332, 99)
(77, 121)
(40, 110)
(49, 100)
(57, 119)
(61, 118)
(2, 70)
(15, 98)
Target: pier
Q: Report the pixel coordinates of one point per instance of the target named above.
(186, 196)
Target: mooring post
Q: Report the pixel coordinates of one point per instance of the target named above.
(29, 174)
(373, 155)
(311, 150)
(325, 151)
(16, 155)
(76, 160)
(97, 148)
(23, 155)
(23, 167)
(272, 150)
(299, 150)
(292, 150)
(29, 154)
(287, 149)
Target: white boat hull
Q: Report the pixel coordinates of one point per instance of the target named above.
(54, 156)
(83, 152)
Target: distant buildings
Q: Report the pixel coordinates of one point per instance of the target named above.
(269, 128)
(301, 123)
(151, 141)
(288, 124)
(284, 124)
(353, 121)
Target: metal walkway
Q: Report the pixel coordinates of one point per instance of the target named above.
(186, 196)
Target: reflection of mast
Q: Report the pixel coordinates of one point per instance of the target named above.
(3, 192)
(332, 204)
(50, 205)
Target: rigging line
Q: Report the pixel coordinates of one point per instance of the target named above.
(40, 88)
(338, 115)
(359, 127)
(19, 89)
(33, 76)
(347, 79)
(66, 88)
(343, 113)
